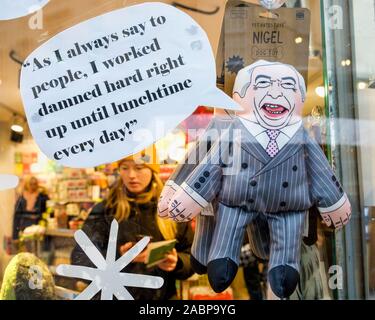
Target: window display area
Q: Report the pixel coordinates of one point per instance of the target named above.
(186, 150)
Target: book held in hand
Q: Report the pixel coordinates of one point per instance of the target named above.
(156, 251)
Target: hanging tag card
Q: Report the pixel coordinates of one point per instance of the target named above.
(253, 33)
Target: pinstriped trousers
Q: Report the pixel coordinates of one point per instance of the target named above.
(273, 236)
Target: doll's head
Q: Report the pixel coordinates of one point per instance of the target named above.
(271, 93)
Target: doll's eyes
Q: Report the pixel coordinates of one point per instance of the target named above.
(263, 84)
(288, 85)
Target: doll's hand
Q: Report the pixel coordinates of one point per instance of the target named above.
(183, 207)
(165, 198)
(339, 217)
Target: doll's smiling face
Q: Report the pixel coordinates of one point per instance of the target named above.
(274, 95)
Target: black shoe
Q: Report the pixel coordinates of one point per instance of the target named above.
(221, 273)
(197, 266)
(283, 281)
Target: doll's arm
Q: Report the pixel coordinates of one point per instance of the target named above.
(192, 158)
(327, 192)
(202, 185)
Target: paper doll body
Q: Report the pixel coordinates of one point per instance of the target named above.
(265, 165)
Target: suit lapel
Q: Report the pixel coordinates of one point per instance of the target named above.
(290, 149)
(250, 144)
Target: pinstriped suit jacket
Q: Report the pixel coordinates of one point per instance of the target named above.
(199, 150)
(296, 179)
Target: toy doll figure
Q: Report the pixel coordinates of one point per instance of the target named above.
(283, 173)
(205, 222)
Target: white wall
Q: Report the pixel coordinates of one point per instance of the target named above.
(7, 198)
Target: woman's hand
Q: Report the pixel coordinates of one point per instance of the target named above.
(170, 261)
(127, 246)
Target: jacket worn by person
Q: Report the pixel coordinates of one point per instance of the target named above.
(24, 218)
(141, 221)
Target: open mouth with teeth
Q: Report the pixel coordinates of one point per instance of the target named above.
(274, 111)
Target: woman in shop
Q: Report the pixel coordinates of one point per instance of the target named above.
(132, 201)
(29, 207)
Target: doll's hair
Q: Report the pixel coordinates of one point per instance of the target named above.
(245, 75)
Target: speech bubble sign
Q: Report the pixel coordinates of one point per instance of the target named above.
(12, 9)
(113, 85)
(8, 181)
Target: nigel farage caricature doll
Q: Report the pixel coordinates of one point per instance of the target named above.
(282, 173)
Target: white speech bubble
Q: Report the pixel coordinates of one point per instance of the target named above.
(8, 181)
(12, 9)
(113, 85)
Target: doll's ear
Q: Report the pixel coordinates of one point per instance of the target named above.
(244, 102)
(237, 98)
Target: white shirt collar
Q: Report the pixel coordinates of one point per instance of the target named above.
(291, 130)
(256, 129)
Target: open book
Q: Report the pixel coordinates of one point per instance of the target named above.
(156, 251)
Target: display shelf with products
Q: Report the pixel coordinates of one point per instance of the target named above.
(197, 287)
(67, 233)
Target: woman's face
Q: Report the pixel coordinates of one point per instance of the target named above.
(33, 185)
(136, 177)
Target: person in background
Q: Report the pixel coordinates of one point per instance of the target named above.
(132, 201)
(29, 206)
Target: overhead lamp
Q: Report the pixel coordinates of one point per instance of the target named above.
(16, 129)
(320, 91)
(361, 85)
(17, 124)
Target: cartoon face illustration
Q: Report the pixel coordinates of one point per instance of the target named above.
(274, 94)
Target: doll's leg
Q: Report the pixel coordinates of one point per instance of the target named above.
(201, 244)
(259, 237)
(223, 259)
(286, 230)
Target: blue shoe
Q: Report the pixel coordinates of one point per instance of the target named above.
(221, 273)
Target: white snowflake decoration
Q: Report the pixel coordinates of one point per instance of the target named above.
(108, 277)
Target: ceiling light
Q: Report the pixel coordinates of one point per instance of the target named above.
(361, 85)
(298, 40)
(320, 91)
(16, 128)
(17, 124)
